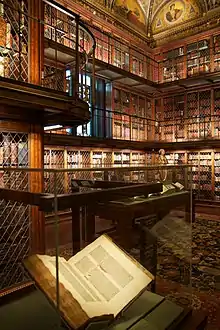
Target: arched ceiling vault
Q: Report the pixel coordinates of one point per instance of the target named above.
(164, 20)
(168, 13)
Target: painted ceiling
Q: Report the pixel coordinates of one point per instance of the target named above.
(155, 16)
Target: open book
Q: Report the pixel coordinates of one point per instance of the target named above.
(99, 280)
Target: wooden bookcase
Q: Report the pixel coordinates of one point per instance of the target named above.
(190, 115)
(205, 171)
(130, 116)
(205, 165)
(173, 65)
(72, 158)
(216, 52)
(198, 57)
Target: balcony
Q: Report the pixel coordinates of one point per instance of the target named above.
(41, 61)
(113, 128)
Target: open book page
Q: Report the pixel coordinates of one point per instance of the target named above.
(76, 284)
(113, 278)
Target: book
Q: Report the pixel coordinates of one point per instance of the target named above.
(168, 189)
(179, 186)
(99, 281)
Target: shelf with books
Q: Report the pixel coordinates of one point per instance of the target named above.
(137, 63)
(170, 158)
(205, 103)
(121, 56)
(179, 130)
(173, 65)
(138, 159)
(158, 119)
(130, 114)
(193, 159)
(217, 101)
(216, 52)
(168, 117)
(121, 158)
(217, 175)
(205, 175)
(179, 106)
(100, 158)
(198, 57)
(192, 109)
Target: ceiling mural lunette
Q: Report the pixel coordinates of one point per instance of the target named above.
(132, 11)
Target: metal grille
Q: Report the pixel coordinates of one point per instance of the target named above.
(54, 159)
(193, 159)
(76, 159)
(54, 78)
(14, 44)
(205, 175)
(217, 176)
(14, 216)
(59, 26)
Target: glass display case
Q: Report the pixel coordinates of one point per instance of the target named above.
(149, 220)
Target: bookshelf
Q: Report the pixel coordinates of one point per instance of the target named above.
(130, 114)
(217, 175)
(198, 57)
(217, 112)
(158, 119)
(217, 101)
(71, 157)
(137, 63)
(173, 65)
(205, 165)
(121, 56)
(168, 118)
(216, 52)
(204, 174)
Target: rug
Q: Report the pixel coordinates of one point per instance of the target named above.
(197, 286)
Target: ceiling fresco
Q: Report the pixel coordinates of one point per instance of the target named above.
(173, 13)
(161, 21)
(159, 15)
(132, 11)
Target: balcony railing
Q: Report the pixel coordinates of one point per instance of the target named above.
(124, 126)
(199, 58)
(62, 55)
(118, 53)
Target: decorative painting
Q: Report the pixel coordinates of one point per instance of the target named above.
(174, 13)
(131, 10)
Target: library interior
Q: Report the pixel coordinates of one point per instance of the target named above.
(110, 125)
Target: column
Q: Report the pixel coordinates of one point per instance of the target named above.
(36, 148)
(36, 41)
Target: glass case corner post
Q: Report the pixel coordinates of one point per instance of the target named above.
(56, 218)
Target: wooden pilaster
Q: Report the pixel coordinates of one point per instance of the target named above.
(36, 148)
(36, 41)
(36, 145)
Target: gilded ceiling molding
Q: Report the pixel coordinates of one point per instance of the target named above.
(150, 13)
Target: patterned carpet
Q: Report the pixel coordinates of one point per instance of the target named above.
(203, 291)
